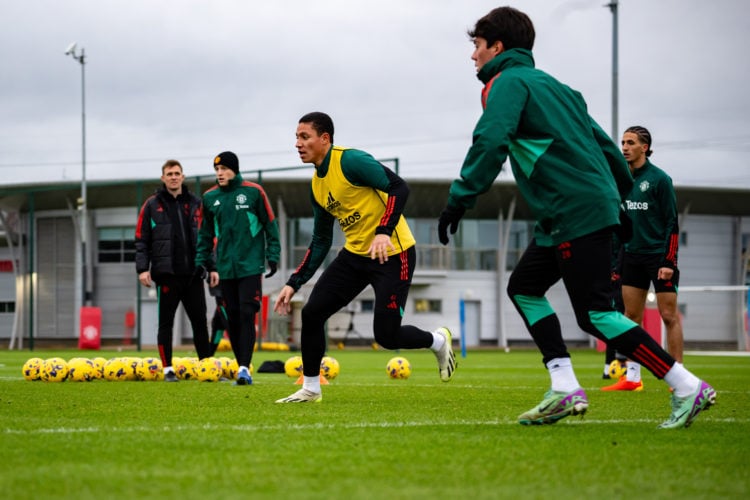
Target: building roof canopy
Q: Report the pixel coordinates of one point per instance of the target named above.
(427, 198)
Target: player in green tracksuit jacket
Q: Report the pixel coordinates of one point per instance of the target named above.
(554, 148)
(240, 229)
(573, 177)
(651, 254)
(652, 208)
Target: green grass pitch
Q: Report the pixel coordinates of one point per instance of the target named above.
(371, 437)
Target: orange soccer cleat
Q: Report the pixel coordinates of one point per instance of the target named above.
(624, 385)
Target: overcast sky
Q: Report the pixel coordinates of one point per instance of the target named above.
(188, 79)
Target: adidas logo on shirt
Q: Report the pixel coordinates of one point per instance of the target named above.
(332, 204)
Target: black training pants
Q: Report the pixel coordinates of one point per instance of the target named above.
(341, 282)
(189, 290)
(584, 265)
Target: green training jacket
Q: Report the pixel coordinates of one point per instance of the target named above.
(571, 174)
(240, 218)
(652, 206)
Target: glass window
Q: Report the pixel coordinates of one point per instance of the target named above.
(474, 247)
(521, 233)
(116, 244)
(478, 245)
(300, 236)
(422, 306)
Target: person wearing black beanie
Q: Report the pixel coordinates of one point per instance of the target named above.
(229, 160)
(238, 215)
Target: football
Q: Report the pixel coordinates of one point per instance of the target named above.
(224, 345)
(131, 364)
(229, 367)
(293, 366)
(209, 370)
(54, 370)
(32, 369)
(99, 363)
(81, 370)
(186, 368)
(175, 361)
(617, 369)
(136, 366)
(150, 369)
(115, 369)
(398, 368)
(329, 367)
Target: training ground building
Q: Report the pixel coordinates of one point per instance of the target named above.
(47, 273)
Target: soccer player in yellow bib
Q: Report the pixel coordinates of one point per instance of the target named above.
(352, 189)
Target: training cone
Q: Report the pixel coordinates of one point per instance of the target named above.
(301, 379)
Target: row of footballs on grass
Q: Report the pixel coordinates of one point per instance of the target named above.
(128, 368)
(397, 368)
(212, 369)
(133, 368)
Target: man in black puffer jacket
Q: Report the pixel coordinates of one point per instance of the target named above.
(165, 239)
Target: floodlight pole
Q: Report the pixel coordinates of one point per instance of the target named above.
(613, 7)
(86, 295)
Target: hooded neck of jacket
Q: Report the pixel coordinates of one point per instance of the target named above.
(163, 191)
(233, 183)
(504, 60)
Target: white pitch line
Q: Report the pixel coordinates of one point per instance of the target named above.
(328, 426)
(739, 354)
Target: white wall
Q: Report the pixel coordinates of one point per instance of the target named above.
(709, 258)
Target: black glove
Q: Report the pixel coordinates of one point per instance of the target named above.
(273, 266)
(625, 230)
(449, 217)
(200, 273)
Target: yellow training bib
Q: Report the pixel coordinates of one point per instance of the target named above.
(358, 209)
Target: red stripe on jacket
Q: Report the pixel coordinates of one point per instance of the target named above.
(486, 90)
(672, 249)
(269, 210)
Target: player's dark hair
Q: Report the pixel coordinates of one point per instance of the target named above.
(643, 135)
(508, 25)
(321, 123)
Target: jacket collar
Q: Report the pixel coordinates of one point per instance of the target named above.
(642, 170)
(163, 191)
(505, 60)
(234, 183)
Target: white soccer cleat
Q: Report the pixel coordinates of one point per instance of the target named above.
(302, 396)
(445, 357)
